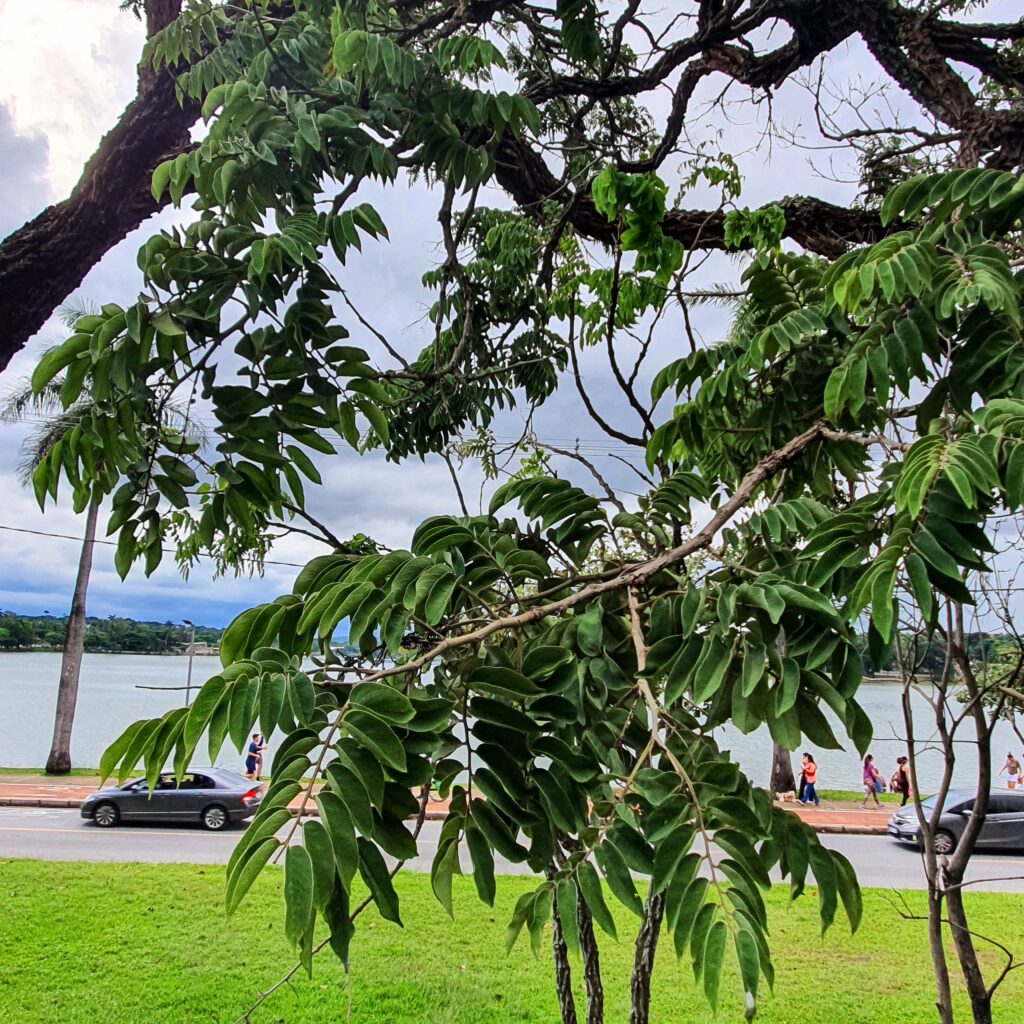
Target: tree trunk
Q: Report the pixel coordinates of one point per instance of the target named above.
(943, 994)
(977, 992)
(956, 866)
(59, 761)
(591, 965)
(643, 960)
(782, 779)
(563, 972)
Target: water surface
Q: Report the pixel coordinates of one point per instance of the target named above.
(110, 699)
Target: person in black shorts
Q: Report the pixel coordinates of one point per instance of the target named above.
(254, 758)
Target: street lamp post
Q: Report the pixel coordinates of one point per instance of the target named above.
(191, 652)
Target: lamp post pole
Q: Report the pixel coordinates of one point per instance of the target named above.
(191, 652)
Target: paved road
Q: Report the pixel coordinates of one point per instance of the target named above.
(63, 835)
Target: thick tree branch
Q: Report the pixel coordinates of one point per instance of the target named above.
(819, 226)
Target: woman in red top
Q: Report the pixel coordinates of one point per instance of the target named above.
(811, 776)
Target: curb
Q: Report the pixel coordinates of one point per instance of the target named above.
(850, 830)
(37, 801)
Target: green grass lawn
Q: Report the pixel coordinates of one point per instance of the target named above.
(849, 795)
(149, 944)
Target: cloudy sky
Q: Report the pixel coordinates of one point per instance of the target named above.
(67, 68)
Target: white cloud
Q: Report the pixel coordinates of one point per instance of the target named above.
(67, 69)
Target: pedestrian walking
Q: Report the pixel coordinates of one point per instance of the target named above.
(901, 779)
(872, 781)
(802, 787)
(1012, 771)
(810, 779)
(254, 757)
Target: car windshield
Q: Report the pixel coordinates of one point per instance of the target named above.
(955, 801)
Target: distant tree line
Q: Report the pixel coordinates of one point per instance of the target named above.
(929, 659)
(113, 634)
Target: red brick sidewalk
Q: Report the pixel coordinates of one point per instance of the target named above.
(42, 791)
(849, 818)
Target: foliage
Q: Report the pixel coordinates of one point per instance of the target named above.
(16, 631)
(559, 685)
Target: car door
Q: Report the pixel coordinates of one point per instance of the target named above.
(184, 801)
(162, 804)
(202, 791)
(133, 800)
(1004, 822)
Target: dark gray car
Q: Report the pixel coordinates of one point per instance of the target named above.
(213, 797)
(1003, 827)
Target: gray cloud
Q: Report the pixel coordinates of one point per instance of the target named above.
(23, 160)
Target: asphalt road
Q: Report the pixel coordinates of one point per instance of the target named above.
(63, 835)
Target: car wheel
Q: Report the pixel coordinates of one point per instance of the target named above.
(106, 815)
(215, 818)
(944, 843)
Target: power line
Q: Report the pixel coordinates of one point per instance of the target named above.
(113, 543)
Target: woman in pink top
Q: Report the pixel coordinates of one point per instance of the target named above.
(871, 780)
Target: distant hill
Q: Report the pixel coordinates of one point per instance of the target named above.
(113, 635)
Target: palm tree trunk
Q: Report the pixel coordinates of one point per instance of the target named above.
(782, 780)
(59, 761)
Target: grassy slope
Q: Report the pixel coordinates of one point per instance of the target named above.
(123, 944)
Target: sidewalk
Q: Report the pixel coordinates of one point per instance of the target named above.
(847, 817)
(45, 791)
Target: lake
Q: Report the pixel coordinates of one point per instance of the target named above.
(109, 700)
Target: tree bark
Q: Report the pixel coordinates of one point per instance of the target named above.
(643, 959)
(936, 946)
(977, 991)
(943, 993)
(563, 972)
(956, 867)
(591, 964)
(59, 761)
(820, 226)
(782, 778)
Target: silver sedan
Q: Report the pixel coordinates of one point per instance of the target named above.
(213, 797)
(1003, 827)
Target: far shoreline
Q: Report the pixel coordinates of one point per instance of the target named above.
(135, 654)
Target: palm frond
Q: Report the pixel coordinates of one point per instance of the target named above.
(722, 295)
(41, 439)
(20, 401)
(71, 312)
